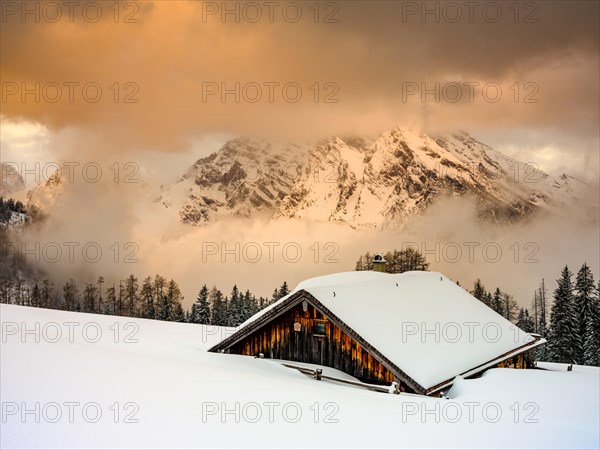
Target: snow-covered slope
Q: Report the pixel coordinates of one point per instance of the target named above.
(370, 184)
(245, 178)
(134, 383)
(15, 222)
(509, 178)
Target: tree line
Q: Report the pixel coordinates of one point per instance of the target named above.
(572, 327)
(152, 298)
(211, 307)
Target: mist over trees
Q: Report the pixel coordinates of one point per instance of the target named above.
(152, 298)
(23, 283)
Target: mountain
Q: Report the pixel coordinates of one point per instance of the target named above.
(44, 196)
(245, 178)
(11, 181)
(368, 184)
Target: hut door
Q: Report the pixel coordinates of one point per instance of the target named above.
(319, 342)
(317, 350)
(321, 354)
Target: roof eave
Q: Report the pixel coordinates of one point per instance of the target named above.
(487, 365)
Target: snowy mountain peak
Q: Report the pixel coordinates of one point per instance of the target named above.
(368, 184)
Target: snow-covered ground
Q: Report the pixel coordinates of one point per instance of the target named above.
(71, 380)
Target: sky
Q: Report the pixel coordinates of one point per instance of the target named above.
(164, 83)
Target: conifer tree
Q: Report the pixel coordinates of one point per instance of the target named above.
(528, 322)
(275, 295)
(89, 298)
(234, 308)
(487, 299)
(584, 299)
(111, 300)
(36, 296)
(18, 290)
(509, 307)
(542, 352)
(524, 321)
(179, 314)
(100, 282)
(564, 327)
(161, 306)
(218, 307)
(170, 305)
(478, 290)
(147, 299)
(496, 302)
(535, 310)
(47, 298)
(71, 295)
(247, 308)
(283, 290)
(5, 289)
(201, 309)
(131, 295)
(543, 315)
(173, 309)
(591, 354)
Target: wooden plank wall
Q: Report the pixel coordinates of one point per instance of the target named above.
(523, 360)
(336, 349)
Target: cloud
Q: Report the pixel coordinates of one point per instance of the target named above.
(138, 236)
(171, 58)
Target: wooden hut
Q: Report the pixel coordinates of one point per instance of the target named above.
(418, 329)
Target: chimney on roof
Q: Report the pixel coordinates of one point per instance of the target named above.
(379, 263)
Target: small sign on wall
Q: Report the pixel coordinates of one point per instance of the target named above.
(297, 326)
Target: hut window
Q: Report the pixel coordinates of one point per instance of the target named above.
(319, 328)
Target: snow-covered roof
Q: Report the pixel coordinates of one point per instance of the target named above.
(341, 278)
(324, 280)
(425, 324)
